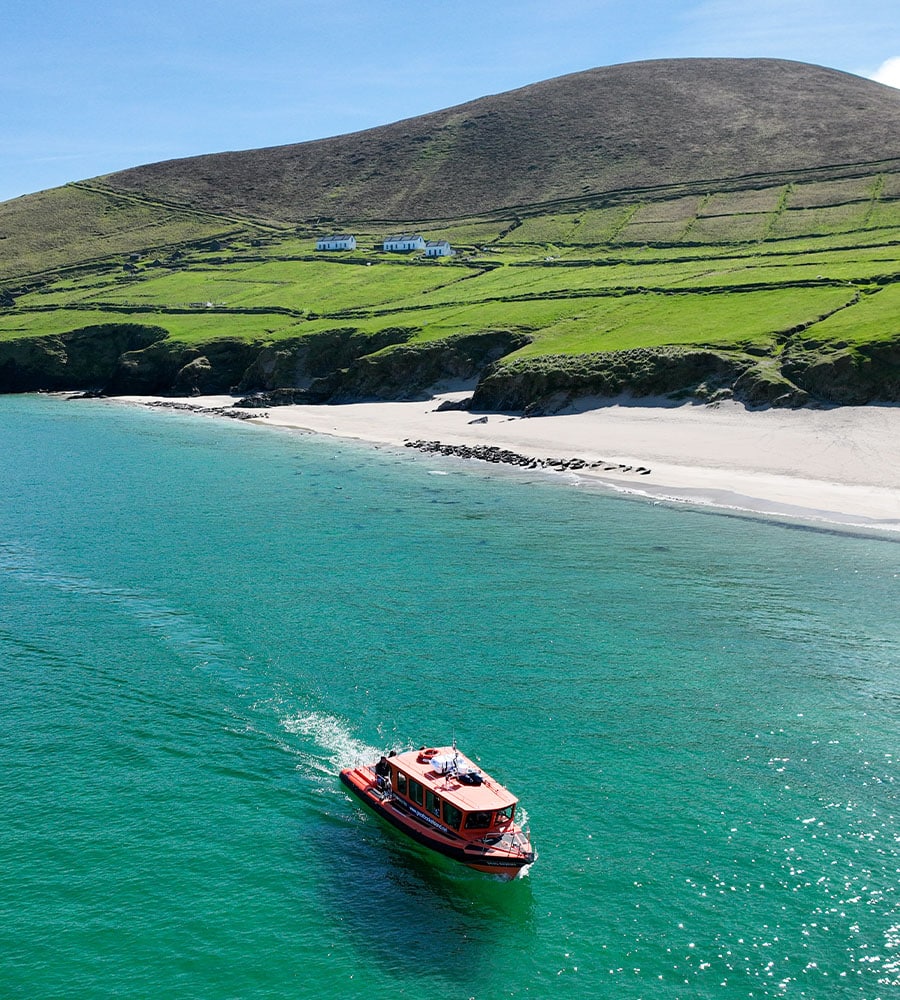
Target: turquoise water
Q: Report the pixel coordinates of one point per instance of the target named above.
(202, 621)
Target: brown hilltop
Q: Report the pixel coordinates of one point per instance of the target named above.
(636, 125)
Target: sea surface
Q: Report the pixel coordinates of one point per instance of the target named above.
(202, 621)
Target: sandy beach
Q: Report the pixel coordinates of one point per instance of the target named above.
(839, 465)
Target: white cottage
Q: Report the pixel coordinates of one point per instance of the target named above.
(438, 248)
(340, 241)
(404, 243)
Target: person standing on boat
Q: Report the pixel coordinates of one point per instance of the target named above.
(382, 775)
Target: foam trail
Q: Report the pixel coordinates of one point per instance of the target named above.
(333, 745)
(332, 735)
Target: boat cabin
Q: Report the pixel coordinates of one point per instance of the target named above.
(441, 799)
(444, 788)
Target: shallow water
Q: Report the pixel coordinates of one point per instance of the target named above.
(202, 621)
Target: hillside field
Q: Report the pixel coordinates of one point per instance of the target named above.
(823, 264)
(702, 227)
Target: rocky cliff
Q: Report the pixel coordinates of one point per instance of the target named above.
(344, 365)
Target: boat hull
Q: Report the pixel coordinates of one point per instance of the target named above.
(480, 857)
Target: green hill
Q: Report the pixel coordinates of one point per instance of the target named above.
(697, 226)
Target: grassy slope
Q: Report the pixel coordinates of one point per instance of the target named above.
(576, 282)
(79, 223)
(609, 239)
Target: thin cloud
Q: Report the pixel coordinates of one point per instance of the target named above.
(888, 72)
(825, 32)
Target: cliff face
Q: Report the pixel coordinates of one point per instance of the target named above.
(869, 374)
(805, 375)
(334, 366)
(343, 365)
(550, 383)
(409, 371)
(84, 359)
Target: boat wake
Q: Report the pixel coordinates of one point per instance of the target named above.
(326, 744)
(182, 633)
(335, 746)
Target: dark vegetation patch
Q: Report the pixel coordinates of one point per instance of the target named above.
(549, 384)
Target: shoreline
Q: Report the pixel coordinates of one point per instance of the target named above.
(836, 467)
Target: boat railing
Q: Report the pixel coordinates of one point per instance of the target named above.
(509, 842)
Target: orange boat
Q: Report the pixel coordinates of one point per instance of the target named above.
(442, 800)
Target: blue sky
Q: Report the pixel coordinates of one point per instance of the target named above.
(88, 88)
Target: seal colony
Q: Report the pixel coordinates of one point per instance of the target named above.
(503, 456)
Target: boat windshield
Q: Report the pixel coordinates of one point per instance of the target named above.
(479, 820)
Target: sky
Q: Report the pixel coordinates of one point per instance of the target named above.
(87, 88)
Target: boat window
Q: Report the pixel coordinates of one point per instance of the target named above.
(415, 791)
(478, 820)
(505, 814)
(432, 803)
(401, 782)
(452, 816)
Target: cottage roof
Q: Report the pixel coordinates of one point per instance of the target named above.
(437, 243)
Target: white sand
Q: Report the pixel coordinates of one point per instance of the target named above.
(840, 465)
